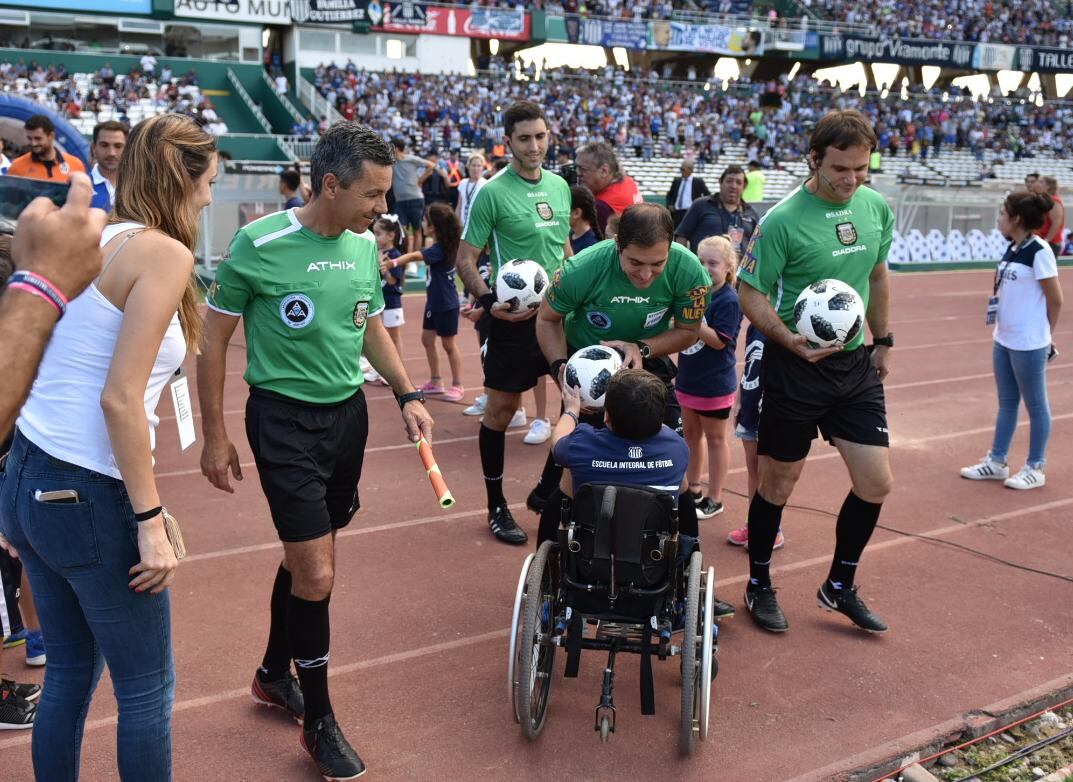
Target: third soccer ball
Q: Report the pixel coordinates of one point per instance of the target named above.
(590, 369)
(829, 313)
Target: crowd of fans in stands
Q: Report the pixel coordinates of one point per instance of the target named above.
(649, 117)
(56, 88)
(1033, 22)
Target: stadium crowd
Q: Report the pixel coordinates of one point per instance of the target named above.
(655, 118)
(1033, 22)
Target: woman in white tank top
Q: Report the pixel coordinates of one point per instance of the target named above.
(78, 499)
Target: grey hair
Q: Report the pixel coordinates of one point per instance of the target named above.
(342, 149)
(602, 154)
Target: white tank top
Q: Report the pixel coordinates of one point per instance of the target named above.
(63, 416)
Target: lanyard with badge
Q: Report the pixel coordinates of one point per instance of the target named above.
(1000, 273)
(184, 410)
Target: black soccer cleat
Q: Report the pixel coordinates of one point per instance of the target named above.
(505, 528)
(283, 693)
(848, 602)
(765, 610)
(326, 744)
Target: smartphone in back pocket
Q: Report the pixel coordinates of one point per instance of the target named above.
(58, 496)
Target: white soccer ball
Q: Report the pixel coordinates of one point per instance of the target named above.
(829, 313)
(521, 284)
(590, 370)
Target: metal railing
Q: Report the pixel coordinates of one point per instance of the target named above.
(316, 102)
(295, 114)
(300, 146)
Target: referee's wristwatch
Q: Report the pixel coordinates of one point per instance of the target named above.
(887, 341)
(412, 396)
(644, 348)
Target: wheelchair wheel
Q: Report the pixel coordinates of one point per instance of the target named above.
(691, 655)
(707, 659)
(535, 651)
(515, 638)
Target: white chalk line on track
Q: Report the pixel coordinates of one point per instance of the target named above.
(425, 651)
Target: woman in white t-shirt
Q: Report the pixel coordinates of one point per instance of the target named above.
(78, 499)
(468, 187)
(1024, 308)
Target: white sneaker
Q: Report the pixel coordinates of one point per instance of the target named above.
(364, 364)
(1027, 478)
(987, 470)
(477, 408)
(372, 376)
(519, 419)
(539, 432)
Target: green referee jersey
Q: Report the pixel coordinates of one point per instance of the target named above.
(521, 219)
(804, 239)
(599, 303)
(304, 300)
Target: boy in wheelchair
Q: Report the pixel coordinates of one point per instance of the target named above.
(636, 448)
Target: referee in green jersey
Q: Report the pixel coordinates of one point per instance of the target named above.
(521, 212)
(829, 228)
(306, 283)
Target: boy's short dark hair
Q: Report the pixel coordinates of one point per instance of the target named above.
(290, 178)
(635, 403)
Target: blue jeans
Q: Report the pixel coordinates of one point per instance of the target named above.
(77, 556)
(1021, 373)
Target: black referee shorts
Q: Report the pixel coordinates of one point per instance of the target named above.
(309, 460)
(840, 395)
(513, 361)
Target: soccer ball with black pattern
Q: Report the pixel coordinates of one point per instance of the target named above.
(590, 370)
(521, 283)
(829, 313)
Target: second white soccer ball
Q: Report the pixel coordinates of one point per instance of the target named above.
(590, 370)
(521, 284)
(829, 313)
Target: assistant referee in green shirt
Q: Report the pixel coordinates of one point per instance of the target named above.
(831, 227)
(306, 283)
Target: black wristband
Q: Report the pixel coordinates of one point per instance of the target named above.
(556, 365)
(572, 415)
(413, 396)
(152, 513)
(486, 301)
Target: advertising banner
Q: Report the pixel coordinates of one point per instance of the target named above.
(1038, 58)
(107, 6)
(328, 11)
(994, 57)
(907, 51)
(509, 24)
(606, 32)
(712, 38)
(259, 11)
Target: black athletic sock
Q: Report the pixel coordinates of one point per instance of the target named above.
(764, 521)
(277, 660)
(308, 629)
(550, 517)
(492, 445)
(856, 522)
(687, 515)
(549, 478)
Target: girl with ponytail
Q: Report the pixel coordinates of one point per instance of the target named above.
(79, 500)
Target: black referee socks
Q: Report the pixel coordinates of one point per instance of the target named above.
(277, 660)
(308, 630)
(493, 446)
(764, 522)
(856, 522)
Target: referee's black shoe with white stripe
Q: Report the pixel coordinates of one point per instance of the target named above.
(335, 758)
(764, 609)
(504, 527)
(848, 602)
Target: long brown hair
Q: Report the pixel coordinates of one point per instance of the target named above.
(448, 230)
(163, 160)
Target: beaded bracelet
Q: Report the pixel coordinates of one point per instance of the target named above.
(35, 283)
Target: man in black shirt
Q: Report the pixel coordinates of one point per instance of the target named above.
(723, 213)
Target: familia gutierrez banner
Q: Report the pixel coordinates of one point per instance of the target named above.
(510, 24)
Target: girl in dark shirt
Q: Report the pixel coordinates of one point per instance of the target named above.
(584, 223)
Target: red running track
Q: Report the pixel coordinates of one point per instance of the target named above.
(423, 599)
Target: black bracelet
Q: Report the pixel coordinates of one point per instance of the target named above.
(572, 415)
(149, 514)
(412, 396)
(555, 366)
(486, 301)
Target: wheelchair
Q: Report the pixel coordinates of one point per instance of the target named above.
(614, 581)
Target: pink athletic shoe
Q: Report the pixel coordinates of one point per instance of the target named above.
(432, 388)
(454, 394)
(740, 537)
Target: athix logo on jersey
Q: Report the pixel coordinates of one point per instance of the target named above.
(545, 211)
(296, 310)
(636, 452)
(600, 320)
(629, 299)
(361, 313)
(847, 234)
(323, 266)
